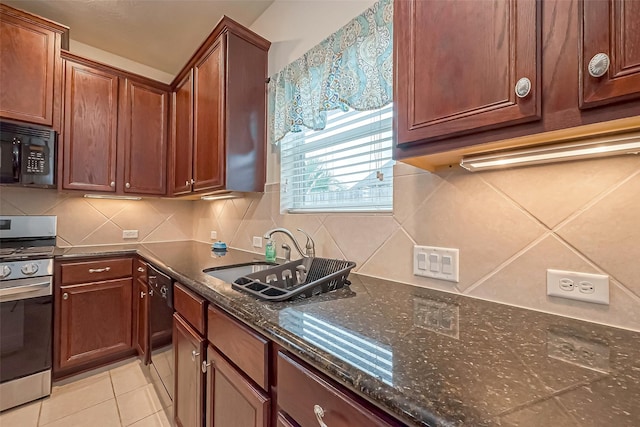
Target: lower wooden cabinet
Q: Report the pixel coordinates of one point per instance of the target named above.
(189, 351)
(232, 399)
(311, 400)
(94, 321)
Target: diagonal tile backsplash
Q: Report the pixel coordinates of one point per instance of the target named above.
(510, 226)
(86, 222)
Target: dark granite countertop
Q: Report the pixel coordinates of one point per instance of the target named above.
(429, 357)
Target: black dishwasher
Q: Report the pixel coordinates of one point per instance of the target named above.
(160, 331)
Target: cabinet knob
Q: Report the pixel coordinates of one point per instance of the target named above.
(127, 185)
(113, 184)
(317, 409)
(523, 87)
(599, 65)
(194, 354)
(142, 294)
(65, 296)
(141, 270)
(193, 181)
(204, 366)
(187, 183)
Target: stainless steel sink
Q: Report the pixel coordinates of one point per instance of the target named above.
(230, 273)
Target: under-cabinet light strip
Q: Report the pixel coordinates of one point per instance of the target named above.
(110, 197)
(597, 147)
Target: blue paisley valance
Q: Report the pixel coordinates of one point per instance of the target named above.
(351, 68)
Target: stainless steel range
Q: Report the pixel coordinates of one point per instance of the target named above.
(26, 307)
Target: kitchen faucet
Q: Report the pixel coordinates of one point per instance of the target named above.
(310, 247)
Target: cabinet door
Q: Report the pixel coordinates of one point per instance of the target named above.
(27, 62)
(145, 115)
(94, 321)
(610, 27)
(90, 129)
(189, 350)
(141, 321)
(457, 65)
(182, 137)
(208, 160)
(233, 400)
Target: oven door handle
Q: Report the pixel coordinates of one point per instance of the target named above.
(25, 288)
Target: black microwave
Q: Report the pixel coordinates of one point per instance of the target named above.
(27, 155)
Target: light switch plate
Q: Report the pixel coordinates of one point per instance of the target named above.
(437, 263)
(257, 241)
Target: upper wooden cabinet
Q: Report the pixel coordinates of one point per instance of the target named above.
(115, 130)
(144, 122)
(611, 28)
(218, 136)
(90, 128)
(458, 64)
(30, 67)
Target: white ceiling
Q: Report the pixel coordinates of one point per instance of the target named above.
(162, 34)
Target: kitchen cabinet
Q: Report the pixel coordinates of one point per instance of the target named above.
(90, 128)
(218, 135)
(610, 28)
(189, 352)
(30, 67)
(308, 398)
(455, 76)
(456, 86)
(141, 312)
(92, 313)
(232, 399)
(115, 132)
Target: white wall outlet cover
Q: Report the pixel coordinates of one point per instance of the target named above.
(585, 287)
(437, 263)
(214, 234)
(129, 234)
(257, 242)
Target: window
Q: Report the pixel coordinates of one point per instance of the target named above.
(347, 166)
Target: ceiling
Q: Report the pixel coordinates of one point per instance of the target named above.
(162, 34)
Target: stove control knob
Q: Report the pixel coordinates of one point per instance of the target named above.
(30, 269)
(5, 271)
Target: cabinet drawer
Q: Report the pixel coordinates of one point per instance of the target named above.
(190, 306)
(94, 271)
(245, 348)
(300, 390)
(140, 270)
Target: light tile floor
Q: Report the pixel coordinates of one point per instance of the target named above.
(119, 397)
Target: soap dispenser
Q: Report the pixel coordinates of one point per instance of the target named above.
(270, 251)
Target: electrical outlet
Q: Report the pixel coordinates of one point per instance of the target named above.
(586, 287)
(438, 263)
(214, 235)
(257, 242)
(578, 351)
(129, 234)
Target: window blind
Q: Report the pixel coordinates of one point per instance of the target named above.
(347, 166)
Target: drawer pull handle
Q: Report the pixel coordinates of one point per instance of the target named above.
(194, 354)
(317, 409)
(99, 270)
(141, 270)
(205, 365)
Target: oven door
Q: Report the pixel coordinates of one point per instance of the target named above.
(26, 319)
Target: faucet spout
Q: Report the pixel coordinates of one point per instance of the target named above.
(309, 247)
